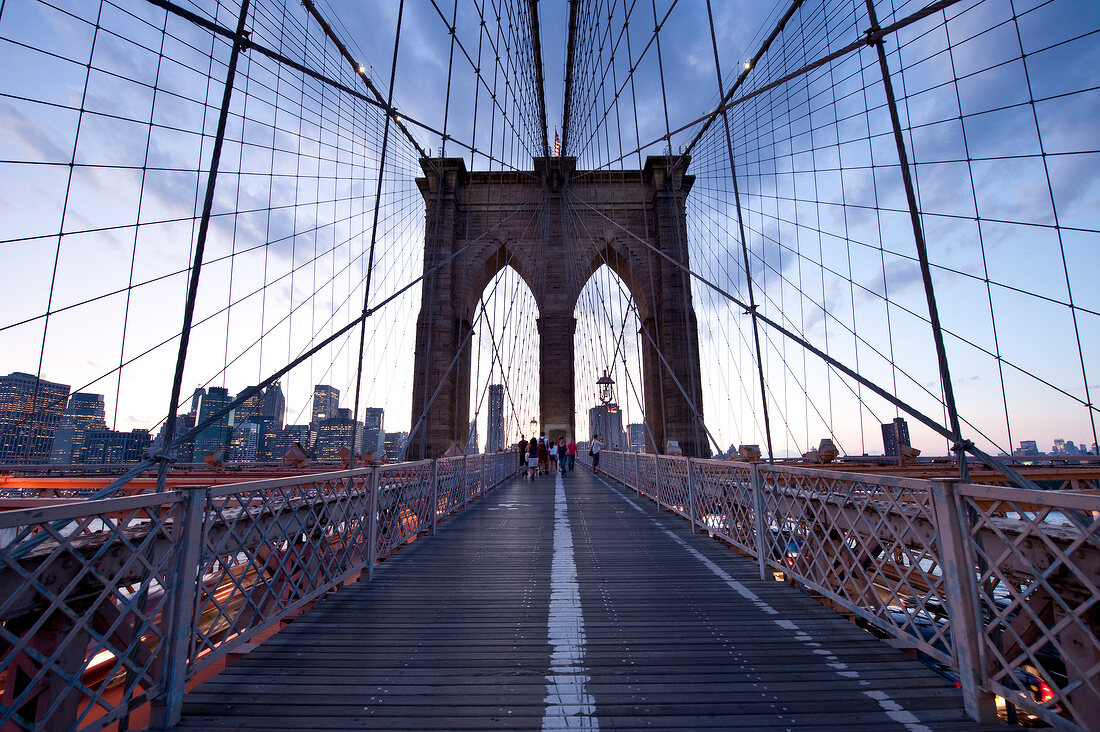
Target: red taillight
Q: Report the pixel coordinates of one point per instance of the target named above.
(790, 562)
(958, 685)
(1045, 692)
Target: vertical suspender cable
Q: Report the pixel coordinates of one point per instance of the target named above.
(961, 445)
(374, 233)
(240, 41)
(744, 245)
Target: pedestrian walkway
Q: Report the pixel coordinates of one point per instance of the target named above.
(572, 604)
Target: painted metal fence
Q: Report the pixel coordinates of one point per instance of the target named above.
(109, 607)
(999, 586)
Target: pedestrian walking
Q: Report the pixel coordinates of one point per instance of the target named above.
(552, 456)
(532, 458)
(571, 452)
(544, 455)
(522, 452)
(563, 456)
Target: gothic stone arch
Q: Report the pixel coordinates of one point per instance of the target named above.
(555, 226)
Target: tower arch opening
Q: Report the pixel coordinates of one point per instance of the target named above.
(504, 379)
(608, 343)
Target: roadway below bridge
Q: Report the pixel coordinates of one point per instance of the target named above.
(572, 604)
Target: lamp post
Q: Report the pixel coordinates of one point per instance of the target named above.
(534, 427)
(606, 385)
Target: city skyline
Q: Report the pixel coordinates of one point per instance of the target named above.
(78, 435)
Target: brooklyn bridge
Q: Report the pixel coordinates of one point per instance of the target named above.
(793, 307)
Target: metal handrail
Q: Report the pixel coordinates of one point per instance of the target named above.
(998, 585)
(119, 602)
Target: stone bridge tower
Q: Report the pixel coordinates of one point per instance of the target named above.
(555, 226)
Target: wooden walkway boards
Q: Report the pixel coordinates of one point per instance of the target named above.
(605, 613)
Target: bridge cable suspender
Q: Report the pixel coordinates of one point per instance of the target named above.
(240, 42)
(922, 250)
(740, 215)
(374, 236)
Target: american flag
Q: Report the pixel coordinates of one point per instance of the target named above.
(557, 145)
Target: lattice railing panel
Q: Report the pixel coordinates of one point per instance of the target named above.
(404, 504)
(449, 486)
(1039, 592)
(724, 501)
(868, 542)
(83, 609)
(268, 550)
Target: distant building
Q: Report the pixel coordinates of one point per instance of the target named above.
(894, 436)
(196, 400)
(215, 437)
(494, 440)
(607, 422)
(395, 445)
(108, 447)
(326, 400)
(287, 436)
(248, 410)
(1027, 447)
(30, 413)
(637, 436)
(244, 443)
(471, 441)
(85, 412)
(267, 440)
(374, 436)
(332, 434)
(273, 405)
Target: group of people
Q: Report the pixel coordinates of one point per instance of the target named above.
(541, 456)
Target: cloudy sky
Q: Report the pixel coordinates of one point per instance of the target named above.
(108, 113)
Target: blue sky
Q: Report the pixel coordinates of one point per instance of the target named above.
(1005, 160)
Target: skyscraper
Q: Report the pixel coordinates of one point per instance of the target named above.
(494, 441)
(332, 434)
(248, 410)
(894, 436)
(274, 404)
(216, 436)
(374, 437)
(326, 400)
(244, 442)
(108, 447)
(471, 441)
(637, 436)
(30, 412)
(607, 422)
(84, 413)
(395, 443)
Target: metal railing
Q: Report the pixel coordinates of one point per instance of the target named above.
(996, 586)
(109, 607)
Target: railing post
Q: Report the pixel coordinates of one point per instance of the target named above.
(637, 479)
(657, 479)
(372, 527)
(433, 491)
(962, 599)
(759, 508)
(165, 709)
(691, 493)
(465, 484)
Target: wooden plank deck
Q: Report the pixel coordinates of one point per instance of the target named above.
(652, 628)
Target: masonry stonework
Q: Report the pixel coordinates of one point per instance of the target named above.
(555, 226)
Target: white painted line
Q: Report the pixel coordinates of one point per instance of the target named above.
(568, 703)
